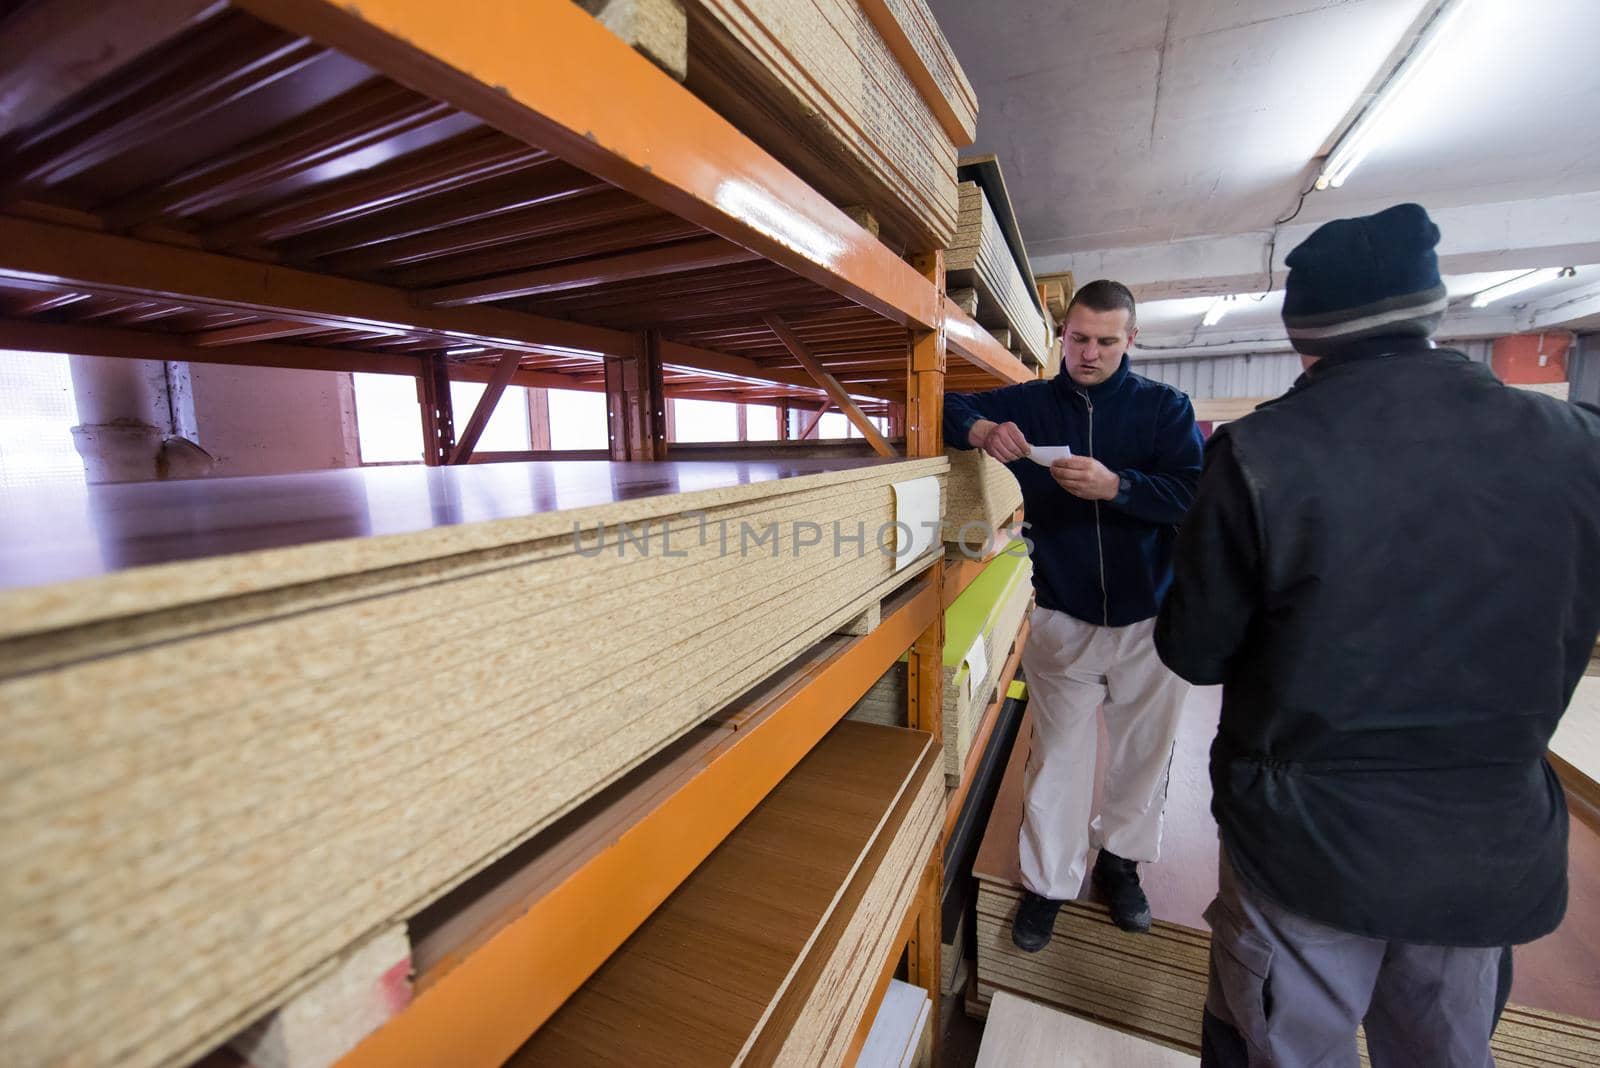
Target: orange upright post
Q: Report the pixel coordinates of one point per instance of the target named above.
(925, 662)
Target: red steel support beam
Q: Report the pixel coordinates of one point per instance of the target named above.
(628, 266)
(498, 380)
(438, 420)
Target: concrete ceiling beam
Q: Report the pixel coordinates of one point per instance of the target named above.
(1558, 231)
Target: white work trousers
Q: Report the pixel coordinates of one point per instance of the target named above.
(1074, 670)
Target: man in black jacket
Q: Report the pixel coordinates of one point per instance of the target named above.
(1102, 522)
(1394, 571)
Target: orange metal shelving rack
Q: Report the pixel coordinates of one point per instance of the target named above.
(510, 196)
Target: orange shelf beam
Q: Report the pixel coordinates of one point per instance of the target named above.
(475, 1011)
(965, 338)
(548, 74)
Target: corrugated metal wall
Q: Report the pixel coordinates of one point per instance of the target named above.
(1207, 377)
(1583, 369)
(1270, 373)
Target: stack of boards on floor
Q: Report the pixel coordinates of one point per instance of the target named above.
(769, 952)
(1026, 1034)
(252, 723)
(1154, 985)
(866, 102)
(980, 626)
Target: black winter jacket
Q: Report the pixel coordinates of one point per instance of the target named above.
(1394, 571)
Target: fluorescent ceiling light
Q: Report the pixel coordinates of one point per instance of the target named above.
(1369, 128)
(1519, 284)
(1219, 307)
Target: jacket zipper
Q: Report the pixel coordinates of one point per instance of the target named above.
(1099, 542)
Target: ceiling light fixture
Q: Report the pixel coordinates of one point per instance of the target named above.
(1520, 284)
(1368, 130)
(1219, 307)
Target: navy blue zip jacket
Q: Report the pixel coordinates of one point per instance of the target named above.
(1104, 562)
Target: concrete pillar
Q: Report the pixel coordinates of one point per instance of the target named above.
(133, 418)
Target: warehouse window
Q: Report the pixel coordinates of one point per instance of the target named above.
(578, 420)
(37, 414)
(388, 419)
(508, 429)
(761, 422)
(696, 420)
(835, 425)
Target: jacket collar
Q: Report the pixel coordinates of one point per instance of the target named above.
(1357, 352)
(1373, 348)
(1100, 390)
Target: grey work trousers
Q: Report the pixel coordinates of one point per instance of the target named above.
(1288, 992)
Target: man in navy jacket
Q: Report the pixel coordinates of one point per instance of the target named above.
(1102, 523)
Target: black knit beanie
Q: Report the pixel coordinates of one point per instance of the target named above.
(1354, 279)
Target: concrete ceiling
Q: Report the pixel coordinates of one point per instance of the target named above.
(1157, 141)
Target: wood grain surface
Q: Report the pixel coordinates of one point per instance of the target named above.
(698, 981)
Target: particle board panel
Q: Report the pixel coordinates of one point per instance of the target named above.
(989, 613)
(275, 774)
(979, 258)
(823, 1010)
(815, 84)
(982, 494)
(1023, 1032)
(702, 978)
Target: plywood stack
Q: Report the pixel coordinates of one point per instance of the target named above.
(902, 1032)
(1154, 985)
(980, 627)
(231, 755)
(822, 87)
(981, 259)
(769, 952)
(1024, 1032)
(981, 496)
(1057, 291)
(1575, 750)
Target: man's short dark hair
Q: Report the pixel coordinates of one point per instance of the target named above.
(1103, 295)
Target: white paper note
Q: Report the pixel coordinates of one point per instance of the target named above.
(918, 507)
(977, 660)
(1045, 455)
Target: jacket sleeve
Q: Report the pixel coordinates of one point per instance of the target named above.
(961, 410)
(1216, 575)
(1164, 493)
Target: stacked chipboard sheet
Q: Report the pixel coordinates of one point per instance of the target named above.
(250, 722)
(815, 83)
(981, 496)
(980, 627)
(769, 952)
(1021, 1031)
(1575, 749)
(1154, 985)
(981, 259)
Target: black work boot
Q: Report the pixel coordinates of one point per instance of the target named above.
(1118, 881)
(1036, 918)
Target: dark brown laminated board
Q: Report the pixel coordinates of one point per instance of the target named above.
(697, 982)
